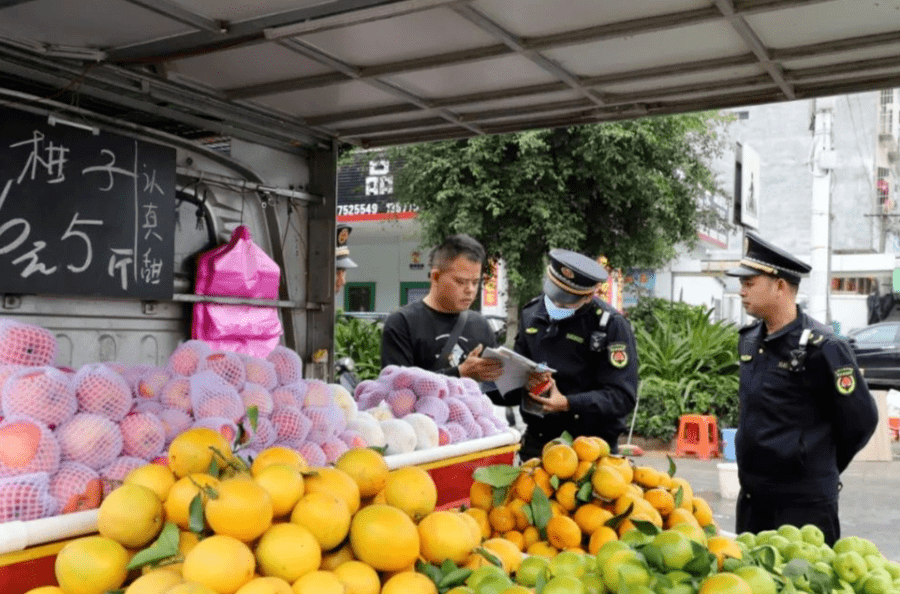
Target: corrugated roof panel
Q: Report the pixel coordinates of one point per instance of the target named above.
(350, 95)
(246, 9)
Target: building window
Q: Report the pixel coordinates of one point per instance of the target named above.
(883, 188)
(359, 297)
(410, 292)
(855, 285)
(886, 117)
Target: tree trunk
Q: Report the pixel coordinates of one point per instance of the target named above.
(512, 314)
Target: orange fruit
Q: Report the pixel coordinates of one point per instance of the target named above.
(661, 500)
(325, 516)
(284, 484)
(517, 506)
(530, 535)
(481, 517)
(702, 511)
(560, 460)
(582, 470)
(365, 466)
(600, 537)
(509, 554)
(412, 490)
(242, 509)
(319, 582)
(481, 495)
(221, 563)
(523, 486)
(724, 583)
(542, 480)
(621, 465)
(334, 481)
(502, 519)
(91, 565)
(608, 483)
(542, 548)
(287, 551)
(515, 537)
(565, 495)
(586, 448)
(193, 451)
(563, 532)
(721, 547)
(409, 582)
(384, 537)
(335, 557)
(591, 516)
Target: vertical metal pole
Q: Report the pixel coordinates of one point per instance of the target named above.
(820, 233)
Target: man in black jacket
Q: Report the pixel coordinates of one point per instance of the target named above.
(805, 410)
(590, 346)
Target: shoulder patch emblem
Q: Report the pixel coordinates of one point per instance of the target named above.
(845, 380)
(575, 338)
(746, 357)
(531, 330)
(618, 355)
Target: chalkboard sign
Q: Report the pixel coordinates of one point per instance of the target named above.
(84, 213)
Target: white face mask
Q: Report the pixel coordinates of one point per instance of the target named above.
(555, 312)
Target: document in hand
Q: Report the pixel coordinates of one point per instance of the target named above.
(515, 368)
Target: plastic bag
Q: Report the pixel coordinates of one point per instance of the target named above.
(239, 268)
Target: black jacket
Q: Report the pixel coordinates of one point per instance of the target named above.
(596, 369)
(802, 416)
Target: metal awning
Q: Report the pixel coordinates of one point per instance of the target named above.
(295, 73)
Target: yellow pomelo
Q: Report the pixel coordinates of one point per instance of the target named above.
(91, 565)
(156, 477)
(221, 563)
(325, 515)
(131, 515)
(194, 450)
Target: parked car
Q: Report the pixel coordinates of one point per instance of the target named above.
(877, 349)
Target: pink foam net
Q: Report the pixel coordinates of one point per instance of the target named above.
(288, 366)
(404, 377)
(226, 365)
(454, 387)
(6, 371)
(148, 406)
(259, 371)
(313, 454)
(487, 427)
(143, 435)
(26, 497)
(40, 393)
(27, 446)
(258, 396)
(92, 440)
(175, 422)
(402, 401)
(114, 473)
(430, 386)
(71, 481)
(353, 439)
(224, 427)
(327, 422)
(149, 386)
(459, 412)
(177, 394)
(318, 394)
(24, 344)
(435, 408)
(187, 357)
(456, 431)
(291, 425)
(263, 436)
(101, 391)
(290, 394)
(132, 373)
(212, 396)
(333, 449)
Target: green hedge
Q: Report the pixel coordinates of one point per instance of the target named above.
(360, 340)
(688, 365)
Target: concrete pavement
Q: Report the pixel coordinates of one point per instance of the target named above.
(869, 503)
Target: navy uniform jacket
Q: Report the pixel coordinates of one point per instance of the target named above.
(596, 370)
(802, 423)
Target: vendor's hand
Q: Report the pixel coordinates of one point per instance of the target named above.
(480, 369)
(552, 400)
(536, 379)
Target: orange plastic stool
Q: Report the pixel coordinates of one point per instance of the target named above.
(698, 435)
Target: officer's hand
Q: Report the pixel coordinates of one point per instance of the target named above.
(535, 379)
(480, 369)
(552, 400)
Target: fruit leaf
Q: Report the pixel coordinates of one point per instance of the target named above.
(540, 511)
(703, 562)
(454, 578)
(566, 438)
(491, 557)
(796, 568)
(614, 521)
(672, 467)
(164, 546)
(253, 415)
(710, 529)
(679, 496)
(820, 582)
(730, 564)
(195, 515)
(586, 479)
(526, 509)
(430, 571)
(585, 492)
(498, 475)
(447, 566)
(648, 528)
(380, 449)
(540, 582)
(499, 495)
(554, 482)
(765, 556)
(654, 556)
(213, 469)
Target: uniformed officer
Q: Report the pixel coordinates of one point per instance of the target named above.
(589, 344)
(805, 410)
(342, 259)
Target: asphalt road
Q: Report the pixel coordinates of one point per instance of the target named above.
(869, 503)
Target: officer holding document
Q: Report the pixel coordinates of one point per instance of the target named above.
(590, 347)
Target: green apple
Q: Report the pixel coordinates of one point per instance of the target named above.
(877, 582)
(461, 590)
(826, 553)
(636, 538)
(874, 561)
(779, 542)
(892, 568)
(802, 550)
(748, 538)
(564, 584)
(790, 532)
(624, 566)
(482, 573)
(593, 583)
(847, 544)
(843, 587)
(812, 534)
(679, 577)
(532, 567)
(567, 563)
(516, 589)
(493, 584)
(824, 567)
(760, 580)
(607, 550)
(675, 548)
(850, 566)
(764, 536)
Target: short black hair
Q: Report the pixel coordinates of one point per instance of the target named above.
(454, 247)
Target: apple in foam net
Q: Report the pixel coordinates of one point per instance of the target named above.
(20, 441)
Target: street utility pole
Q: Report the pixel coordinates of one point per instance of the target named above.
(824, 160)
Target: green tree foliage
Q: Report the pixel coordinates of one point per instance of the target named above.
(361, 341)
(688, 365)
(627, 190)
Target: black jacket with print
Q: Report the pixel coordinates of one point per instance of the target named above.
(802, 418)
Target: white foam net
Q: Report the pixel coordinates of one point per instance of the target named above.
(327, 422)
(27, 446)
(431, 386)
(71, 482)
(435, 408)
(259, 371)
(212, 396)
(264, 435)
(291, 425)
(102, 391)
(258, 396)
(133, 373)
(6, 371)
(26, 497)
(456, 431)
(487, 427)
(402, 401)
(148, 406)
(114, 473)
(143, 435)
(175, 422)
(312, 453)
(177, 394)
(186, 358)
(290, 395)
(224, 427)
(317, 394)
(333, 448)
(426, 430)
(226, 365)
(353, 439)
(288, 365)
(93, 440)
(24, 344)
(40, 393)
(150, 385)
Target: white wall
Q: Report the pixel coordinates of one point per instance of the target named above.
(698, 290)
(850, 311)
